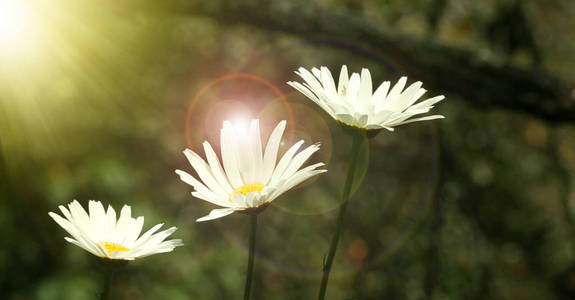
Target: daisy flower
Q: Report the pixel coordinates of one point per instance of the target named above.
(353, 102)
(250, 178)
(98, 232)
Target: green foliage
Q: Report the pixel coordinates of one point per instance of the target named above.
(476, 206)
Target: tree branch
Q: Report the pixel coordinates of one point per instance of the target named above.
(446, 69)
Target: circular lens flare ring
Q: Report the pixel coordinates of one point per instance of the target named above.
(235, 76)
(423, 204)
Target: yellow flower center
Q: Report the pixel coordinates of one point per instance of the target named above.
(113, 247)
(249, 188)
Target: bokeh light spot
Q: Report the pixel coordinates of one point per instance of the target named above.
(358, 251)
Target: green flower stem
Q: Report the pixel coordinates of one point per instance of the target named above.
(250, 271)
(109, 273)
(109, 269)
(354, 155)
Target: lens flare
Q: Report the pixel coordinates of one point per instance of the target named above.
(397, 197)
(241, 109)
(311, 127)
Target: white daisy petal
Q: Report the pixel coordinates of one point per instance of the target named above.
(343, 81)
(97, 214)
(65, 212)
(285, 161)
(123, 226)
(216, 214)
(377, 127)
(154, 241)
(102, 235)
(230, 157)
(307, 92)
(144, 237)
(381, 117)
(110, 220)
(316, 72)
(348, 119)
(198, 186)
(427, 118)
(361, 119)
(271, 153)
(365, 91)
(83, 246)
(355, 103)
(82, 221)
(259, 175)
(257, 146)
(380, 94)
(135, 229)
(428, 102)
(328, 83)
(212, 199)
(250, 200)
(74, 232)
(304, 90)
(400, 117)
(395, 92)
(253, 152)
(204, 172)
(216, 167)
(298, 178)
(408, 97)
(309, 79)
(352, 91)
(299, 160)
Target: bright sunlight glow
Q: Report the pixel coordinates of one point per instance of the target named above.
(16, 25)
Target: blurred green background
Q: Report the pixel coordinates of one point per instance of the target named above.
(99, 98)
